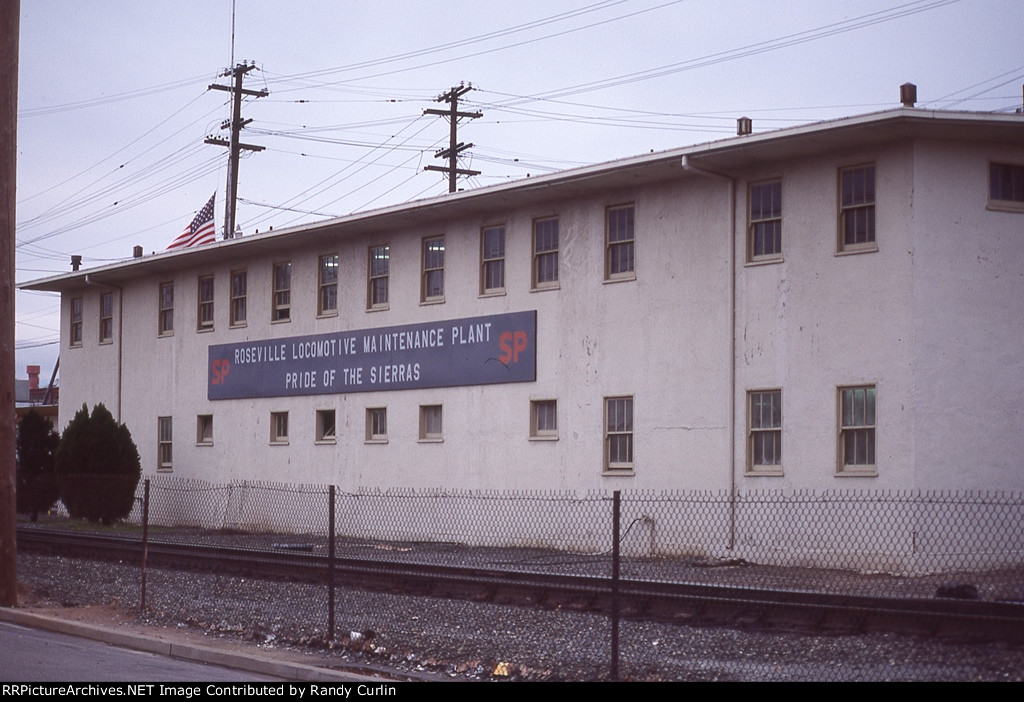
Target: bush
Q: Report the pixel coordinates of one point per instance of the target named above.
(34, 447)
(97, 466)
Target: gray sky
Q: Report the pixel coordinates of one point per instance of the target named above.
(114, 101)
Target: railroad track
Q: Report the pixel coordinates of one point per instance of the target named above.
(672, 601)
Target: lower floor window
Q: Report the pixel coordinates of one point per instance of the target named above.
(325, 426)
(204, 429)
(618, 433)
(544, 419)
(765, 435)
(279, 427)
(430, 423)
(164, 443)
(857, 429)
(376, 424)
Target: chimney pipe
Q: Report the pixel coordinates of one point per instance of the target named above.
(76, 262)
(136, 251)
(908, 94)
(744, 126)
(33, 377)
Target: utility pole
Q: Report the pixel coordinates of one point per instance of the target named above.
(234, 146)
(10, 14)
(454, 146)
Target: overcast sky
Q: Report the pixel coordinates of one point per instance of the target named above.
(114, 100)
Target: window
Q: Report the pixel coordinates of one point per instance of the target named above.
(764, 438)
(164, 443)
(239, 283)
(543, 419)
(325, 426)
(166, 322)
(433, 270)
(376, 425)
(857, 209)
(1006, 187)
(282, 302)
(618, 434)
(492, 254)
(857, 430)
(618, 253)
(204, 315)
(76, 322)
(327, 285)
(378, 270)
(430, 423)
(106, 317)
(765, 242)
(279, 427)
(204, 430)
(545, 253)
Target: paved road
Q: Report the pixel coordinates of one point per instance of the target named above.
(32, 655)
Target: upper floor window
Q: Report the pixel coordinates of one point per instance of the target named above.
(282, 301)
(378, 273)
(433, 270)
(76, 322)
(619, 239)
(106, 317)
(1006, 187)
(857, 208)
(327, 285)
(239, 285)
(492, 256)
(857, 430)
(545, 253)
(765, 233)
(204, 314)
(166, 320)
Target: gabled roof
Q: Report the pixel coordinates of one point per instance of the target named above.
(724, 156)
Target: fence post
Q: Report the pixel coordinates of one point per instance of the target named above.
(616, 507)
(145, 541)
(330, 565)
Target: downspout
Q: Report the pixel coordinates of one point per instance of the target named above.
(687, 166)
(120, 333)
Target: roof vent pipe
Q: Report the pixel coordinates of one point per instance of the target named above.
(744, 126)
(136, 251)
(76, 262)
(908, 94)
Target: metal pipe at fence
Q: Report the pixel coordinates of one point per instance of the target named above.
(330, 564)
(145, 543)
(616, 514)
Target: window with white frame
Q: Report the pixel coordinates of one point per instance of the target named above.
(376, 425)
(618, 434)
(378, 274)
(106, 317)
(544, 419)
(492, 259)
(204, 315)
(545, 253)
(204, 430)
(433, 270)
(282, 297)
(1006, 187)
(165, 431)
(857, 430)
(764, 435)
(239, 290)
(279, 427)
(619, 243)
(166, 319)
(327, 285)
(765, 238)
(430, 423)
(75, 337)
(857, 209)
(325, 426)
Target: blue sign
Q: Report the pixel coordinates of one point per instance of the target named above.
(473, 351)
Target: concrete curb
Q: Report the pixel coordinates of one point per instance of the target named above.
(203, 654)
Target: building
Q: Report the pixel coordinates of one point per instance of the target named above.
(832, 306)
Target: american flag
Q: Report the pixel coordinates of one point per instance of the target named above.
(200, 231)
